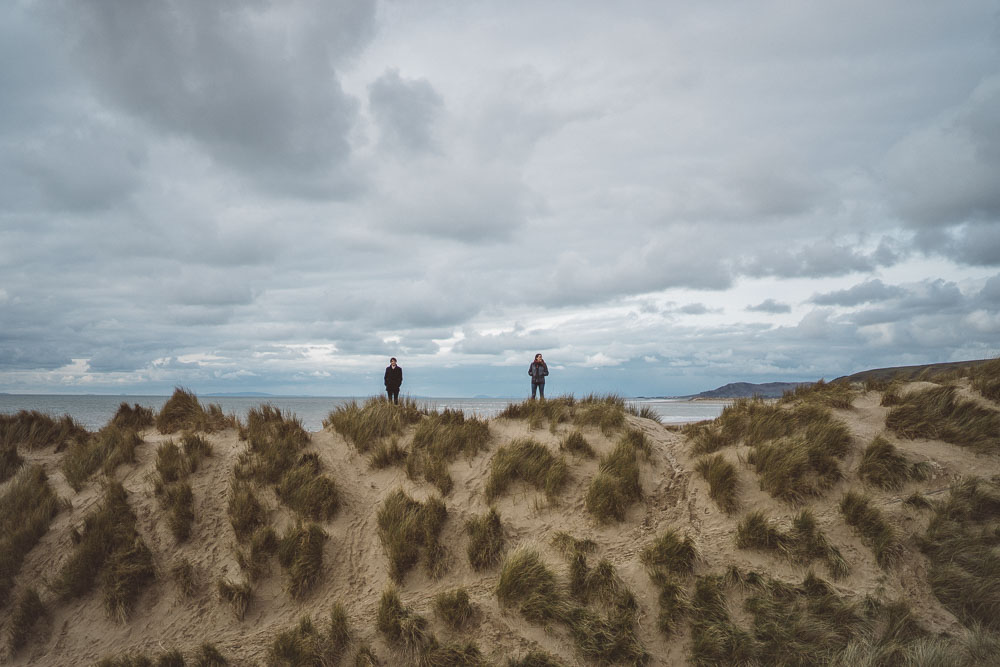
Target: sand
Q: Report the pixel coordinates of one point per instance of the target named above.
(79, 632)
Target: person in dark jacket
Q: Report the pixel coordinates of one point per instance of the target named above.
(393, 380)
(538, 370)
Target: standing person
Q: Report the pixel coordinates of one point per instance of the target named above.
(393, 379)
(538, 370)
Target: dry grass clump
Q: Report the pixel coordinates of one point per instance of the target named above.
(670, 554)
(938, 413)
(135, 417)
(883, 466)
(239, 596)
(961, 545)
(106, 449)
(186, 578)
(175, 494)
(246, 514)
(860, 513)
(556, 411)
(409, 530)
(300, 552)
(183, 412)
(569, 545)
(254, 561)
(439, 439)
(535, 658)
(723, 481)
(837, 395)
(404, 629)
(616, 485)
(111, 548)
(455, 609)
(891, 395)
(195, 449)
(27, 507)
(606, 412)
(34, 429)
(28, 611)
(386, 454)
(307, 491)
(577, 444)
(486, 540)
(209, 656)
(364, 425)
(525, 582)
(802, 544)
(986, 379)
(10, 462)
(166, 659)
(643, 412)
(528, 461)
(305, 644)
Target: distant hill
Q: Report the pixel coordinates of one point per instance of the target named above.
(910, 373)
(748, 389)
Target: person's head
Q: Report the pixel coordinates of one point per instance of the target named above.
(538, 357)
(392, 362)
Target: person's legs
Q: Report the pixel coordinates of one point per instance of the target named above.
(534, 389)
(541, 390)
(394, 395)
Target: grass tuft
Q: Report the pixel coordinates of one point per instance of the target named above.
(860, 512)
(455, 609)
(106, 449)
(723, 481)
(364, 425)
(10, 462)
(439, 439)
(239, 596)
(28, 610)
(670, 554)
(939, 413)
(616, 485)
(209, 656)
(246, 514)
(195, 448)
(837, 395)
(527, 583)
(307, 491)
(386, 454)
(884, 467)
(183, 412)
(305, 644)
(402, 627)
(803, 544)
(528, 461)
(27, 507)
(186, 578)
(605, 412)
(535, 658)
(135, 417)
(300, 552)
(409, 532)
(111, 548)
(33, 429)
(986, 379)
(486, 540)
(577, 444)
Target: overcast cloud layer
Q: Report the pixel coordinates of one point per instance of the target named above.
(660, 197)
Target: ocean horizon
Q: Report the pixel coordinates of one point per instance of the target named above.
(93, 411)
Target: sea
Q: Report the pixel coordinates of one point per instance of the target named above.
(93, 411)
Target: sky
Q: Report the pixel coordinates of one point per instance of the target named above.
(661, 197)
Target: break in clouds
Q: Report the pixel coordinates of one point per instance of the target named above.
(660, 197)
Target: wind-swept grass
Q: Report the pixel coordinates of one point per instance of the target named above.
(486, 540)
(838, 395)
(455, 609)
(939, 413)
(195, 448)
(986, 379)
(402, 628)
(961, 545)
(605, 412)
(883, 466)
(109, 547)
(723, 481)
(670, 554)
(10, 462)
(246, 514)
(409, 533)
(183, 412)
(891, 395)
(178, 500)
(535, 658)
(33, 429)
(577, 444)
(643, 412)
(135, 417)
(616, 485)
(238, 595)
(27, 507)
(860, 513)
(300, 552)
(209, 656)
(28, 611)
(364, 425)
(525, 582)
(306, 644)
(385, 454)
(185, 577)
(528, 461)
(106, 449)
(307, 491)
(802, 544)
(439, 439)
(254, 561)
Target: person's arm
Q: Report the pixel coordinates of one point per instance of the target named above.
(400, 374)
(385, 378)
(545, 369)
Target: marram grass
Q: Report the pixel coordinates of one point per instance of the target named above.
(528, 461)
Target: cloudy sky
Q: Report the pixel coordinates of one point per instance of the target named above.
(661, 197)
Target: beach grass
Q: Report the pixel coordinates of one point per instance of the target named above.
(255, 560)
(723, 481)
(409, 531)
(455, 609)
(837, 395)
(106, 449)
(670, 554)
(237, 595)
(861, 513)
(385, 454)
(186, 577)
(183, 412)
(246, 514)
(803, 543)
(403, 628)
(307, 644)
(576, 443)
(486, 540)
(607, 412)
(986, 379)
(306, 490)
(363, 425)
(883, 466)
(300, 552)
(439, 439)
(28, 611)
(135, 417)
(939, 413)
(528, 461)
(616, 485)
(33, 429)
(535, 658)
(196, 449)
(27, 507)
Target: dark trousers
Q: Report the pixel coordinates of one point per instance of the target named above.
(393, 394)
(540, 386)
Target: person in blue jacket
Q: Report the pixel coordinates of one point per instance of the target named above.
(393, 380)
(538, 370)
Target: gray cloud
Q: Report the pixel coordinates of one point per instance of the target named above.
(770, 306)
(866, 292)
(405, 110)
